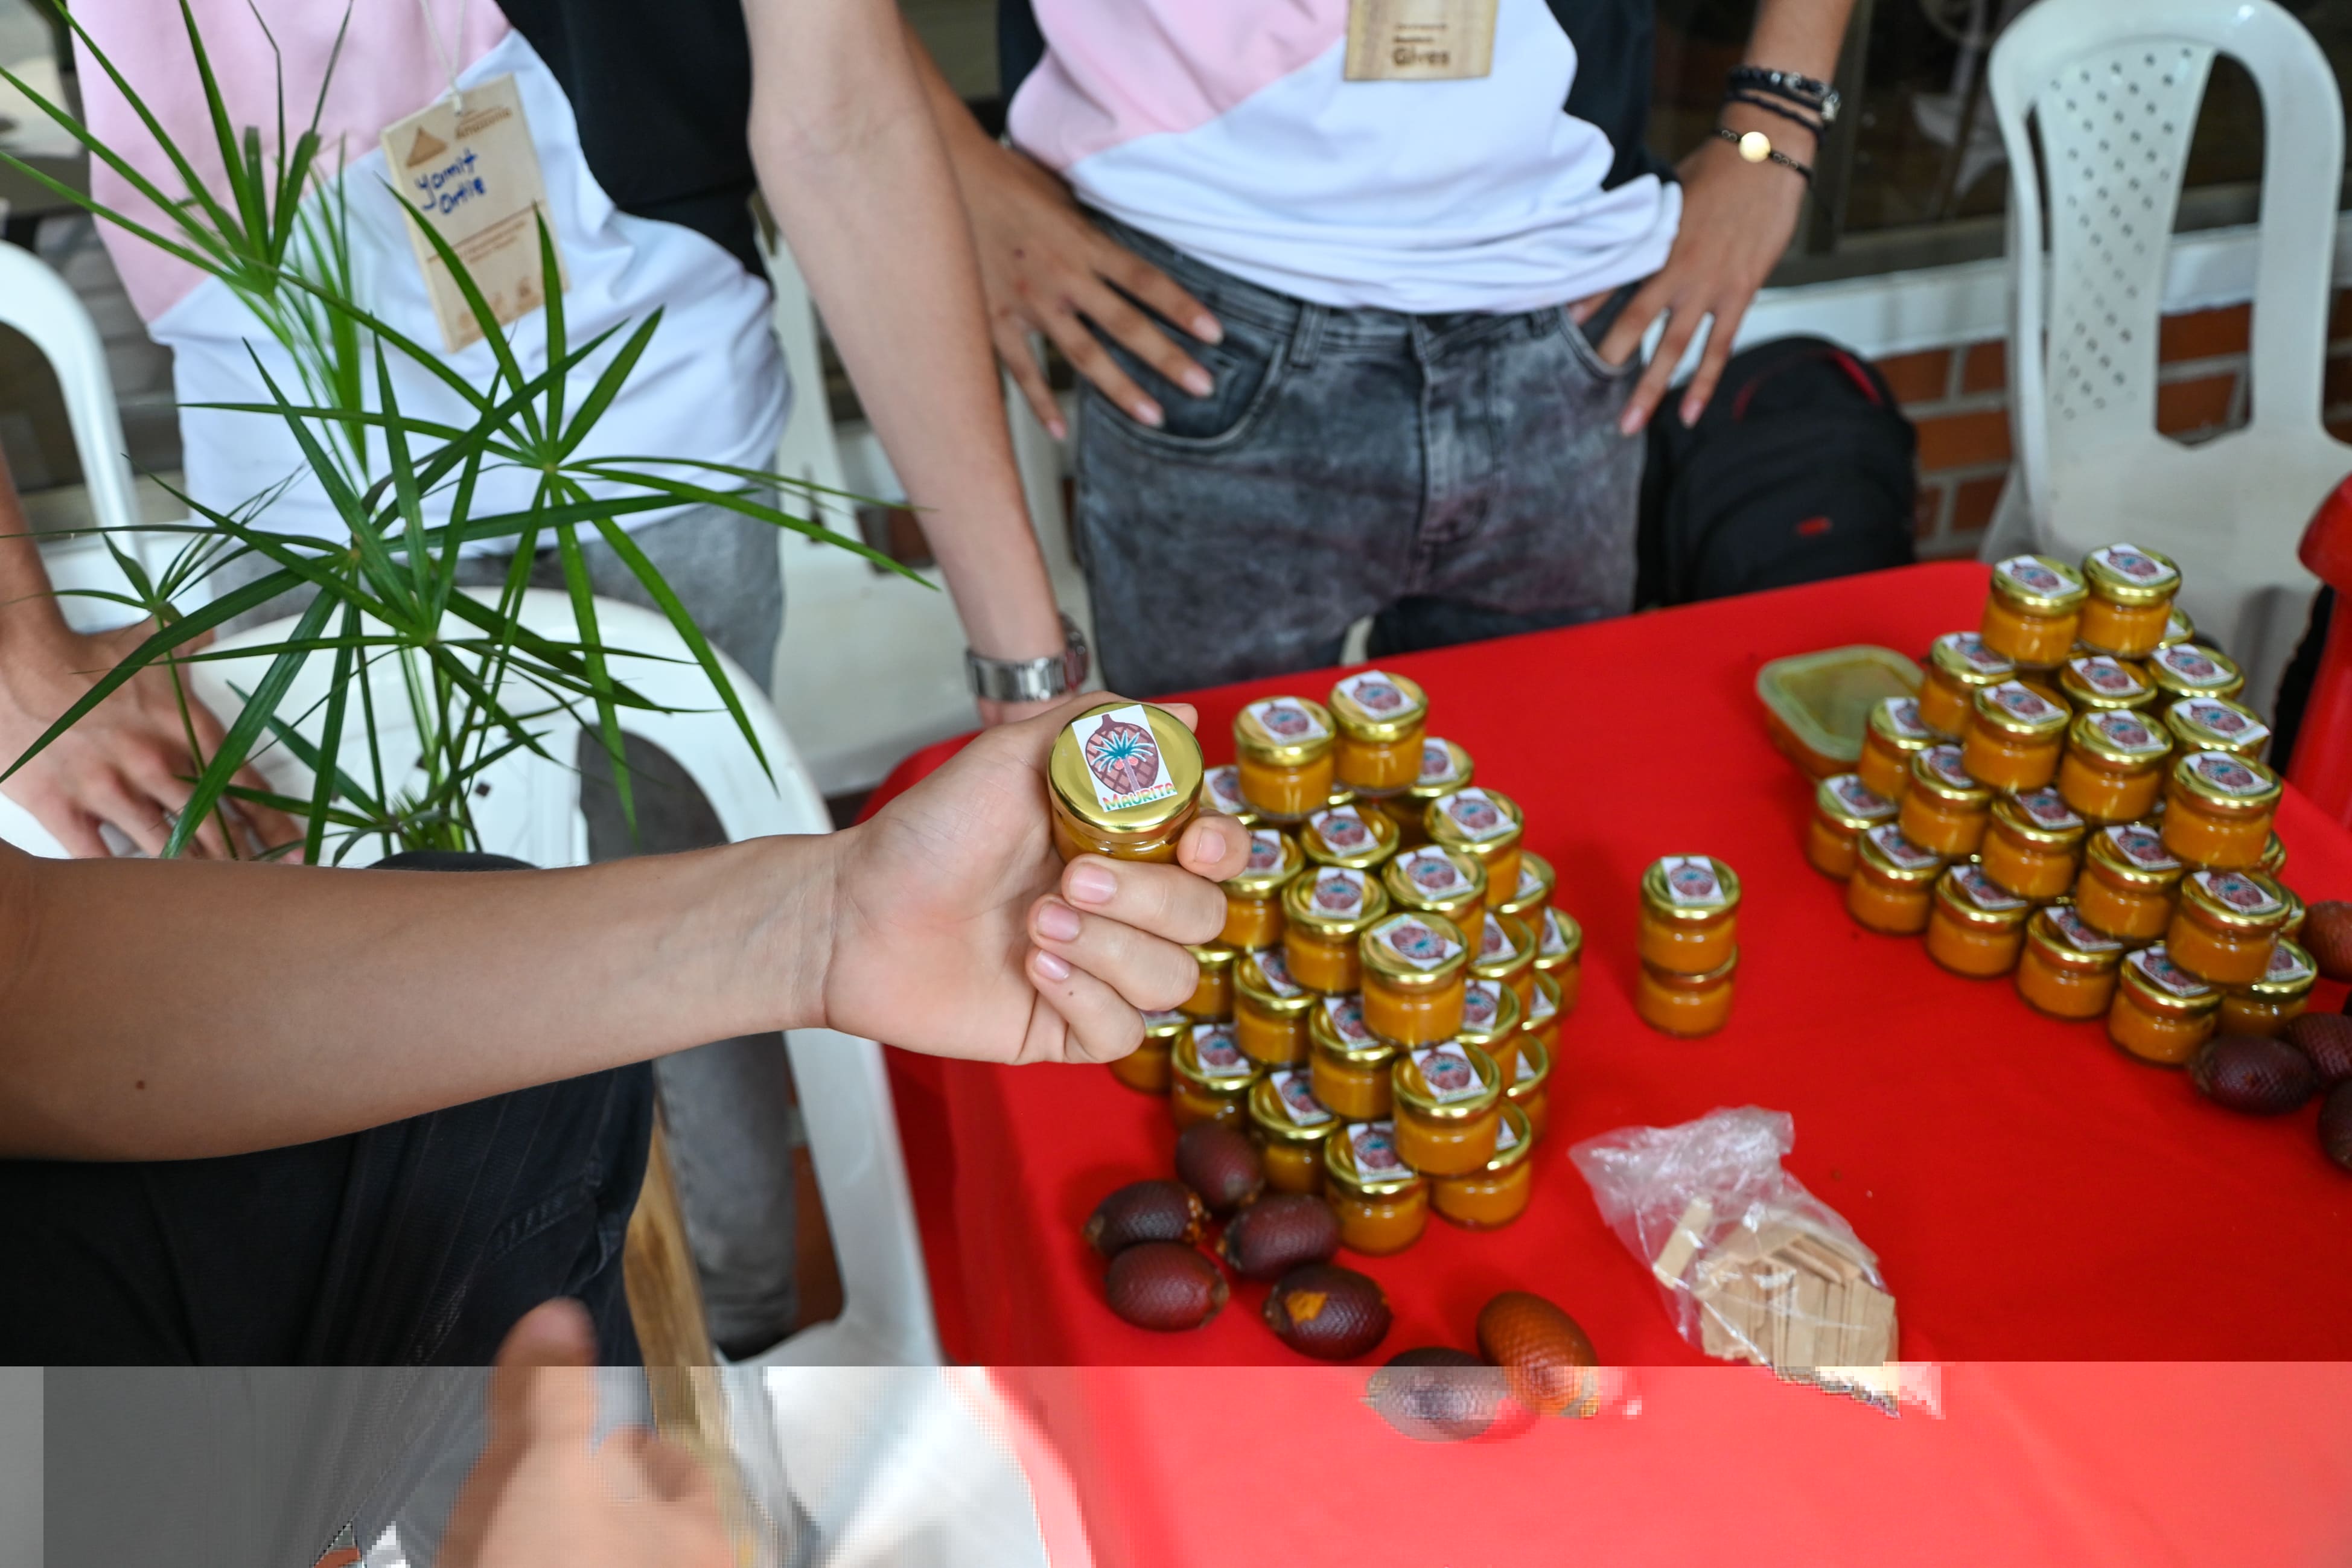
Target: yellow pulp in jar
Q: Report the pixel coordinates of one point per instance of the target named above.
(2216, 956)
(1286, 791)
(1686, 1010)
(1483, 1202)
(1689, 947)
(2104, 794)
(1942, 828)
(2035, 871)
(1213, 997)
(2206, 838)
(1353, 1092)
(1275, 1040)
(1252, 924)
(2104, 904)
(2253, 1015)
(1421, 1016)
(1333, 968)
(1977, 952)
(1536, 1103)
(1379, 764)
(2028, 638)
(1292, 1167)
(1945, 705)
(1829, 849)
(1380, 1225)
(1883, 768)
(2164, 1038)
(1070, 841)
(2069, 994)
(2010, 761)
(1436, 1147)
(2127, 631)
(1188, 1102)
(1891, 908)
(1145, 1068)
(1569, 978)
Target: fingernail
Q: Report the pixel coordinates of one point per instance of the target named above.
(1058, 921)
(1148, 413)
(1057, 430)
(1051, 967)
(1197, 382)
(1631, 424)
(1091, 884)
(1690, 414)
(1208, 328)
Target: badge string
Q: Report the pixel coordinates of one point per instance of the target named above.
(441, 47)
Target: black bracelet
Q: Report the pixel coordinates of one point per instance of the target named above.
(1757, 148)
(1804, 91)
(1818, 128)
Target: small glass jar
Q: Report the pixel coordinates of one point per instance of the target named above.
(1559, 953)
(2098, 682)
(1414, 968)
(1894, 883)
(1270, 1010)
(1485, 825)
(2217, 724)
(1358, 837)
(2177, 629)
(2128, 882)
(1324, 913)
(2015, 737)
(2035, 610)
(1350, 1069)
(2291, 928)
(1688, 1005)
(1506, 953)
(2033, 845)
(1212, 995)
(2130, 599)
(1496, 1193)
(1449, 1103)
(1530, 1088)
(2225, 925)
(1531, 897)
(2161, 1012)
(1145, 1068)
(1690, 915)
(1445, 768)
(1221, 793)
(1285, 746)
(1493, 1019)
(1541, 1021)
(2273, 858)
(2284, 990)
(2191, 669)
(1976, 929)
(1381, 717)
(1289, 1125)
(1958, 667)
(1381, 1201)
(1944, 811)
(1212, 1078)
(2067, 969)
(1893, 735)
(1125, 782)
(1254, 898)
(1435, 881)
(2114, 768)
(1845, 808)
(2218, 810)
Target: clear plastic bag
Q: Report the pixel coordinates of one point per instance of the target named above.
(1753, 1266)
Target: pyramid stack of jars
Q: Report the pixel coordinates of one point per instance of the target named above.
(2075, 798)
(1380, 1011)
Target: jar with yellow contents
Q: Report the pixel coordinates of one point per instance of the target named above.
(2217, 724)
(1414, 969)
(1254, 898)
(2098, 682)
(1381, 717)
(1894, 734)
(1845, 808)
(2177, 629)
(1382, 1204)
(1894, 883)
(2114, 769)
(2067, 969)
(1560, 955)
(1484, 824)
(2034, 613)
(1498, 1193)
(2033, 846)
(1533, 894)
(2014, 739)
(1289, 1126)
(1435, 881)
(2161, 1012)
(2191, 669)
(1690, 915)
(2128, 883)
(2273, 858)
(1326, 913)
(1212, 1077)
(1270, 1010)
(1492, 1020)
(1445, 768)
(2291, 928)
(1686, 1005)
(1976, 928)
(1449, 1101)
(1959, 666)
(1212, 995)
(1944, 811)
(1221, 793)
(1284, 748)
(1146, 1069)
(2130, 600)
(1349, 1070)
(1530, 1088)
(1506, 953)
(2218, 810)
(1124, 781)
(1358, 836)
(2284, 991)
(2225, 925)
(1543, 1015)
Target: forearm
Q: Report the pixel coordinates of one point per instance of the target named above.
(169, 1010)
(1799, 36)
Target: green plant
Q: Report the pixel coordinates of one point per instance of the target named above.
(478, 683)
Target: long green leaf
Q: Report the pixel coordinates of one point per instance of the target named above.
(231, 753)
(484, 318)
(608, 386)
(551, 289)
(743, 506)
(664, 595)
(608, 718)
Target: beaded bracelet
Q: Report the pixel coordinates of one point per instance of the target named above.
(1755, 147)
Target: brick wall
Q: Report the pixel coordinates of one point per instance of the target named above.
(1959, 398)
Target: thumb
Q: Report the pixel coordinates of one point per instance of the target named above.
(541, 1387)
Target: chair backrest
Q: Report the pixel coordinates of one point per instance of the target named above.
(39, 303)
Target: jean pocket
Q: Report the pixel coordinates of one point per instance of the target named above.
(1244, 367)
(1585, 353)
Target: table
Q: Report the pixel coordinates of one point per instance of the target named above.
(2032, 1192)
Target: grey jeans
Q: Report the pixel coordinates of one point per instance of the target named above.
(1454, 477)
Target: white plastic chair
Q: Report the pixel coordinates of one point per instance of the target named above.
(2113, 90)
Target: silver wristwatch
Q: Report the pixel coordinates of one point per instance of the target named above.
(1032, 680)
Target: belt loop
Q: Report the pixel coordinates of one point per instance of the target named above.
(1308, 336)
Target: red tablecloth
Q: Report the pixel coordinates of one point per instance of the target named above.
(2032, 1192)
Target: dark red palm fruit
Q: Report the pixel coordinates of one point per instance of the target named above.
(2327, 937)
(1327, 1312)
(2253, 1073)
(2327, 1039)
(1438, 1395)
(1144, 1211)
(1539, 1347)
(2336, 1125)
(1220, 1164)
(1165, 1285)
(1279, 1232)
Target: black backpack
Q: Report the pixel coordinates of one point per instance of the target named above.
(1802, 468)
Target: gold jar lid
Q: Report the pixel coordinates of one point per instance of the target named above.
(1449, 1081)
(1480, 822)
(1692, 888)
(2040, 817)
(1415, 951)
(2216, 725)
(1375, 706)
(1221, 792)
(1536, 883)
(1265, 978)
(1964, 656)
(1846, 802)
(1274, 861)
(1334, 902)
(1515, 1140)
(2127, 575)
(2292, 973)
(2160, 985)
(1939, 773)
(1435, 879)
(2273, 858)
(1543, 1003)
(1360, 1157)
(1127, 771)
(2018, 712)
(1974, 899)
(2177, 629)
(2102, 680)
(1283, 1108)
(2133, 853)
(2190, 669)
(1895, 722)
(1284, 732)
(1162, 1029)
(2292, 925)
(2065, 941)
(1445, 768)
(2244, 902)
(1490, 1013)
(1533, 1073)
(1210, 1058)
(1349, 836)
(1895, 859)
(1560, 942)
(1212, 956)
(2117, 738)
(2039, 585)
(1506, 945)
(1338, 1028)
(2225, 784)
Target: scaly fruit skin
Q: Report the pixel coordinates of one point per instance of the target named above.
(1538, 1346)
(1144, 1211)
(1276, 1233)
(1220, 1164)
(2327, 937)
(1327, 1312)
(1164, 1286)
(1437, 1394)
(2252, 1075)
(2336, 1125)
(2327, 1039)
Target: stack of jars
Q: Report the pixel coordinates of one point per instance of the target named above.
(2074, 797)
(1689, 944)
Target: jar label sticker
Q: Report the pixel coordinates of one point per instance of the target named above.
(1290, 1087)
(1900, 851)
(2236, 891)
(2289, 963)
(2176, 627)
(1504, 1139)
(1373, 1143)
(1859, 798)
(1274, 967)
(1343, 829)
(2227, 774)
(1159, 1018)
(1944, 761)
(2078, 932)
(2131, 562)
(1494, 941)
(1415, 942)
(2191, 665)
(2157, 965)
(1555, 940)
(1529, 883)
(1339, 893)
(2020, 700)
(1286, 721)
(1122, 758)
(1975, 653)
(1527, 1067)
(1436, 761)
(2045, 807)
(2103, 674)
(2130, 733)
(1434, 872)
(2142, 847)
(1481, 1003)
(1983, 892)
(1542, 1006)
(2033, 574)
(1222, 789)
(1902, 717)
(1691, 880)
(1378, 695)
(1220, 1054)
(2227, 719)
(1474, 813)
(1449, 1074)
(1265, 850)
